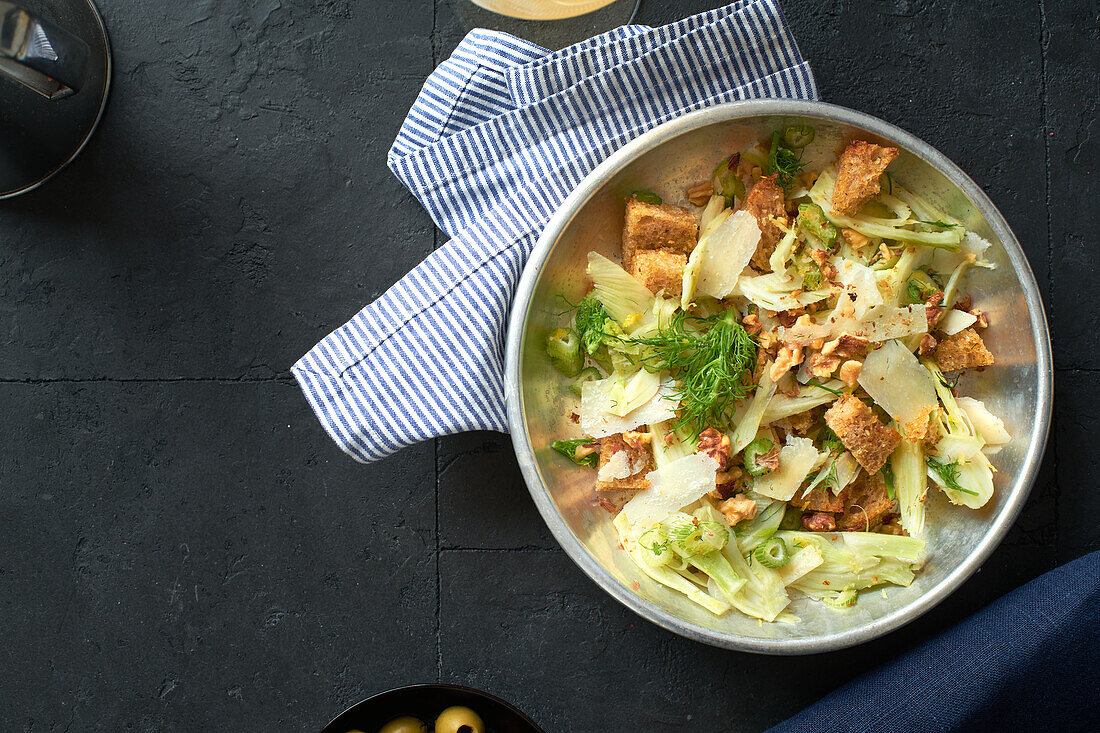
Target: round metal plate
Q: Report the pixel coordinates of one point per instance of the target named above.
(667, 159)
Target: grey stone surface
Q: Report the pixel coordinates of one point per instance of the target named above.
(184, 547)
(194, 556)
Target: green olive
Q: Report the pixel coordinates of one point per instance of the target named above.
(404, 724)
(458, 719)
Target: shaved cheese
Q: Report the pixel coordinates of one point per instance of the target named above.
(671, 488)
(954, 321)
(713, 215)
(598, 421)
(898, 383)
(796, 460)
(881, 323)
(801, 562)
(618, 466)
(988, 425)
(728, 250)
(859, 280)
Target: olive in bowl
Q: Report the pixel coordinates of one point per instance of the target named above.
(432, 708)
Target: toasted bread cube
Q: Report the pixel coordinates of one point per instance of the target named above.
(859, 168)
(657, 226)
(867, 504)
(963, 350)
(860, 431)
(821, 499)
(637, 454)
(660, 269)
(766, 202)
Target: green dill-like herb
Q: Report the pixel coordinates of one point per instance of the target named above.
(949, 475)
(941, 225)
(590, 320)
(709, 361)
(783, 161)
(830, 443)
(819, 385)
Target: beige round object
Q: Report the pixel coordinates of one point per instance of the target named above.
(542, 9)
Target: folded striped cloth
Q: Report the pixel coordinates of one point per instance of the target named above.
(499, 136)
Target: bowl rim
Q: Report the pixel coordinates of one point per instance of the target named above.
(450, 687)
(1019, 491)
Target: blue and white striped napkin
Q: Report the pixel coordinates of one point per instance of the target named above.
(500, 135)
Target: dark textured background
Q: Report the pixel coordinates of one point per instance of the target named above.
(182, 546)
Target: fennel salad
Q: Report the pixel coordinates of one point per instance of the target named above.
(767, 378)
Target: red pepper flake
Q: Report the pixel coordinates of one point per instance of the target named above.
(606, 504)
(825, 582)
(574, 417)
(635, 585)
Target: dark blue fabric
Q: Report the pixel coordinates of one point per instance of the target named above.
(1027, 662)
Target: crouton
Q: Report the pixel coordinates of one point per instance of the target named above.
(860, 431)
(859, 168)
(638, 457)
(657, 226)
(867, 504)
(737, 509)
(821, 499)
(766, 202)
(963, 350)
(660, 269)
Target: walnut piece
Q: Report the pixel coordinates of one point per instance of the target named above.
(715, 444)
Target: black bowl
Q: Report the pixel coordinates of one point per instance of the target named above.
(426, 702)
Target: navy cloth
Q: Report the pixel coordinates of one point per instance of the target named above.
(1027, 662)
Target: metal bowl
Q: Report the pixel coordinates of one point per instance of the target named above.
(667, 160)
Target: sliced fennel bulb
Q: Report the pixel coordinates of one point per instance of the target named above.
(619, 291)
(600, 398)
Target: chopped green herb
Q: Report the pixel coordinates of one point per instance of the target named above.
(783, 161)
(725, 180)
(582, 451)
(773, 553)
(888, 477)
(647, 197)
(796, 137)
(709, 361)
(811, 218)
(819, 385)
(948, 474)
(590, 320)
(754, 450)
(564, 348)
